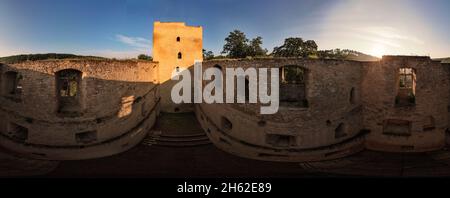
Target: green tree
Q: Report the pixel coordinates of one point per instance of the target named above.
(144, 57)
(238, 46)
(254, 48)
(207, 55)
(296, 47)
(309, 48)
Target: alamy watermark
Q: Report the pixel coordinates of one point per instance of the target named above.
(213, 91)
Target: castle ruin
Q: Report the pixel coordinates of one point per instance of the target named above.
(81, 109)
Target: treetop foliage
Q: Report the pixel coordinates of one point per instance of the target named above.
(145, 57)
(296, 47)
(238, 46)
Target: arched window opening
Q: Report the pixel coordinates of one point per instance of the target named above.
(218, 67)
(178, 39)
(180, 56)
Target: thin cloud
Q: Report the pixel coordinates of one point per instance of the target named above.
(137, 42)
(374, 39)
(139, 45)
(391, 33)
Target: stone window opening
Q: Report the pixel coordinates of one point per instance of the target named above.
(280, 140)
(178, 39)
(262, 123)
(17, 132)
(226, 124)
(177, 69)
(247, 90)
(68, 91)
(220, 78)
(429, 123)
(218, 67)
(397, 127)
(144, 109)
(86, 137)
(293, 81)
(340, 131)
(219, 75)
(180, 56)
(406, 92)
(352, 96)
(12, 85)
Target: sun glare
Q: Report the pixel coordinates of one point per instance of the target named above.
(378, 50)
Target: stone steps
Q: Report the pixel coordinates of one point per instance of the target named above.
(183, 144)
(182, 139)
(159, 138)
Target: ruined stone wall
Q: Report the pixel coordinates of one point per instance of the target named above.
(447, 132)
(349, 106)
(419, 127)
(118, 104)
(310, 131)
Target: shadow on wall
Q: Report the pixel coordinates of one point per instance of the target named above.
(75, 113)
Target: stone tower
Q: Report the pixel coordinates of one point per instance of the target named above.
(175, 46)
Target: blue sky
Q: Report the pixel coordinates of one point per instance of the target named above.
(123, 28)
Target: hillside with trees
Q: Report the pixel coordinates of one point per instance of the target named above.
(345, 54)
(35, 57)
(145, 57)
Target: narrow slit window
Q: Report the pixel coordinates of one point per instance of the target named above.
(352, 96)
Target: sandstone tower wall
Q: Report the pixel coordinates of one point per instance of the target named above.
(175, 45)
